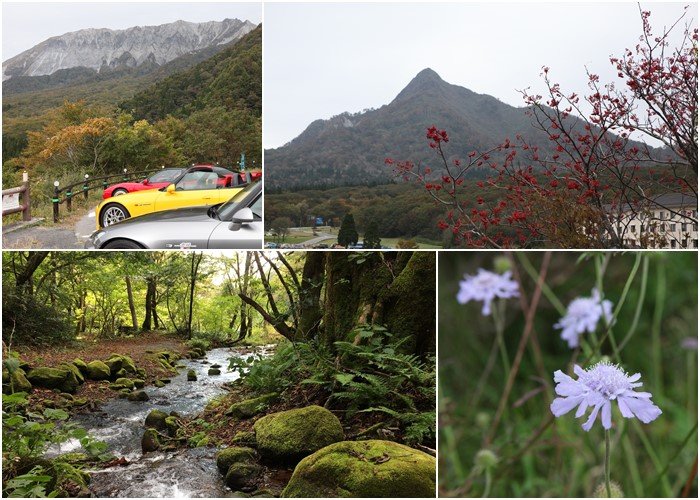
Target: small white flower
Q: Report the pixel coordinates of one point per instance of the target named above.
(583, 315)
(598, 387)
(486, 286)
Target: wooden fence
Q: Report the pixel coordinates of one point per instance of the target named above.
(17, 199)
(66, 194)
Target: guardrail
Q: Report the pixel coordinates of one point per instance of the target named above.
(17, 199)
(66, 194)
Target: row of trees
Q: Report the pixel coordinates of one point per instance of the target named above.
(58, 296)
(597, 180)
(78, 139)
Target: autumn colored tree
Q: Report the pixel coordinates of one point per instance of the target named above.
(594, 179)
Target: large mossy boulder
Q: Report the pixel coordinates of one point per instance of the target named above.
(156, 420)
(228, 456)
(360, 469)
(50, 378)
(214, 371)
(289, 436)
(17, 382)
(53, 378)
(97, 370)
(191, 376)
(251, 407)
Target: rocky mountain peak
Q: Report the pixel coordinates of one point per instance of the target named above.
(96, 48)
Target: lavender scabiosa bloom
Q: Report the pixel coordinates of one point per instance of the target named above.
(598, 387)
(583, 315)
(486, 286)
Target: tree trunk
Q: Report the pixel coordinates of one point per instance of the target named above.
(194, 267)
(132, 307)
(150, 309)
(310, 314)
(23, 279)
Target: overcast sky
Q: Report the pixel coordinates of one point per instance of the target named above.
(25, 24)
(323, 59)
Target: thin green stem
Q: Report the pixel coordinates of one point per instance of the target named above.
(607, 463)
(661, 472)
(633, 467)
(487, 489)
(656, 328)
(640, 302)
(498, 314)
(546, 291)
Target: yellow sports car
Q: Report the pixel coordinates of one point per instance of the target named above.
(197, 186)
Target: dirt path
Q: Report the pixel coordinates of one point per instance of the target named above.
(70, 234)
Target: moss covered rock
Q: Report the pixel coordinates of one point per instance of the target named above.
(76, 371)
(141, 373)
(138, 383)
(172, 425)
(214, 371)
(17, 382)
(243, 476)
(81, 365)
(120, 374)
(150, 441)
(191, 376)
(244, 438)
(251, 407)
(115, 363)
(97, 370)
(228, 456)
(137, 396)
(50, 378)
(159, 383)
(156, 420)
(125, 382)
(291, 435)
(53, 378)
(372, 468)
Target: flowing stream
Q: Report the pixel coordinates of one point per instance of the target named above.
(176, 474)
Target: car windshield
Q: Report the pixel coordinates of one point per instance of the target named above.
(198, 179)
(165, 175)
(248, 197)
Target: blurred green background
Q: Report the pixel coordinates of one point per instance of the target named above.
(537, 455)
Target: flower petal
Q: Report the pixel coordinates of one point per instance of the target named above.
(582, 408)
(606, 415)
(624, 409)
(591, 419)
(643, 409)
(561, 406)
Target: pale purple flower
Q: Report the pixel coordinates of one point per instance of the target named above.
(583, 315)
(598, 387)
(486, 286)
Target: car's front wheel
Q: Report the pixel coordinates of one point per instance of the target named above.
(113, 213)
(123, 245)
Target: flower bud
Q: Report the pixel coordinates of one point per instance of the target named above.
(483, 420)
(615, 491)
(501, 264)
(485, 460)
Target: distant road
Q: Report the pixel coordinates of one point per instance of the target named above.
(320, 238)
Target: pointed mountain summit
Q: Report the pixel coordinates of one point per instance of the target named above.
(350, 149)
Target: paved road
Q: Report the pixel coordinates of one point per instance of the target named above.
(49, 236)
(320, 238)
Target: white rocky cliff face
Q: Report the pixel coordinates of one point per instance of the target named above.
(98, 48)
